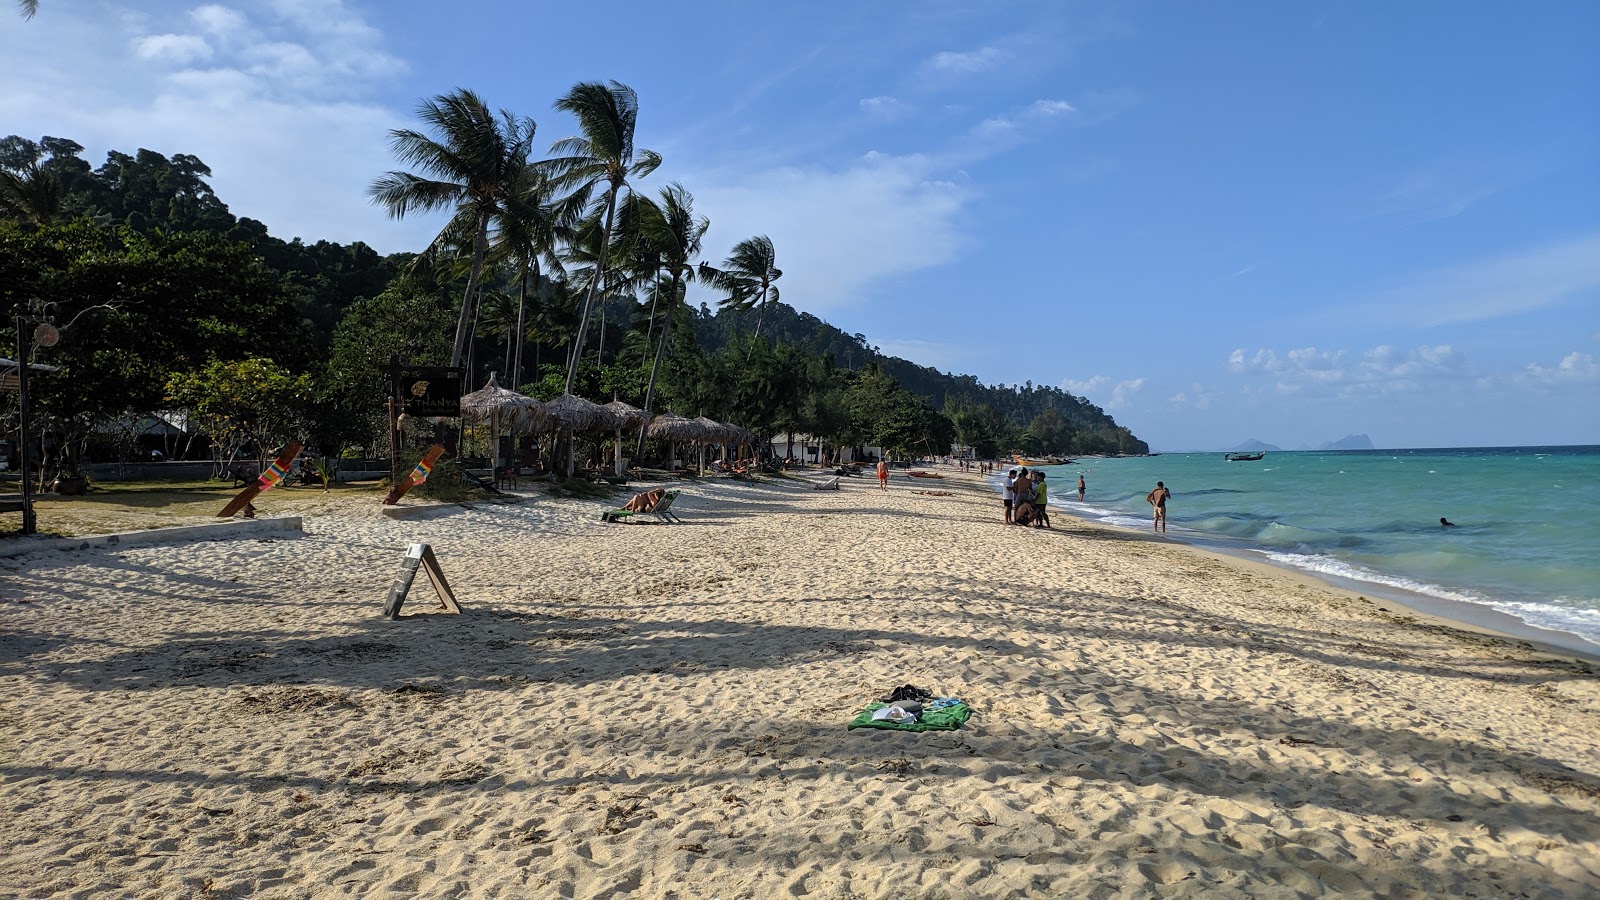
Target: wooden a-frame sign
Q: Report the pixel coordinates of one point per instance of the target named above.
(419, 555)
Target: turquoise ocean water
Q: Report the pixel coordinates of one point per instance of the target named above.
(1526, 541)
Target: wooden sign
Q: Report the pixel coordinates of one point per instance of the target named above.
(419, 556)
(428, 391)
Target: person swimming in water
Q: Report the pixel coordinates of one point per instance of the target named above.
(1446, 522)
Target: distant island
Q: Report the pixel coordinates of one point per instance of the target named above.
(1348, 442)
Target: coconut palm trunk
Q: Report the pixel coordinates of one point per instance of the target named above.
(594, 286)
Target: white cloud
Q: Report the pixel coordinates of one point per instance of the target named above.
(1095, 389)
(1123, 392)
(1388, 362)
(1198, 397)
(886, 109)
(838, 232)
(1574, 368)
(277, 88)
(1384, 369)
(179, 49)
(979, 60)
(218, 21)
(1048, 108)
(1506, 286)
(1006, 129)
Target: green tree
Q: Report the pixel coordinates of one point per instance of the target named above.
(603, 157)
(242, 403)
(525, 234)
(473, 165)
(400, 321)
(674, 232)
(747, 276)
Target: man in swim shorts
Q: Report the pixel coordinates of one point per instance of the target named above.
(1080, 488)
(883, 474)
(1158, 501)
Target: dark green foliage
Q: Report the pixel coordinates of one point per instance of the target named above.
(152, 277)
(1084, 428)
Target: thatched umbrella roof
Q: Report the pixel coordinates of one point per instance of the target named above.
(502, 407)
(716, 431)
(676, 428)
(577, 414)
(628, 415)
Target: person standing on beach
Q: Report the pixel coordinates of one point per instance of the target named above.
(1081, 486)
(883, 473)
(1158, 500)
(1041, 501)
(1007, 492)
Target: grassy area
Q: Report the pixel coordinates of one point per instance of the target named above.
(114, 506)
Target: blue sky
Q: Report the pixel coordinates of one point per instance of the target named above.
(1286, 221)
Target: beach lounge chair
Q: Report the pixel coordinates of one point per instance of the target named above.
(662, 510)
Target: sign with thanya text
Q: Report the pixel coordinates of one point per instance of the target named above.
(429, 391)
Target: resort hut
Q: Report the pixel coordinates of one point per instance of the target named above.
(674, 429)
(713, 431)
(500, 408)
(628, 416)
(569, 414)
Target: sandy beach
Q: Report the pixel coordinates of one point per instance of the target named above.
(659, 711)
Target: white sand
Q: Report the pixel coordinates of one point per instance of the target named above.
(659, 711)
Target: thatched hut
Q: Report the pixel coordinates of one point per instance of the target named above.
(500, 408)
(569, 414)
(628, 416)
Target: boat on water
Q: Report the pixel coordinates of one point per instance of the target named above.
(1245, 457)
(1046, 461)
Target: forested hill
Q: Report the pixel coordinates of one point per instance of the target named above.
(1020, 405)
(58, 214)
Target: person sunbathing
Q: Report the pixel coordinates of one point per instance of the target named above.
(644, 501)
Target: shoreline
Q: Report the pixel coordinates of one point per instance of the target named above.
(660, 711)
(1465, 614)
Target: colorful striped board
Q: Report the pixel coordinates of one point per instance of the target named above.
(418, 475)
(274, 474)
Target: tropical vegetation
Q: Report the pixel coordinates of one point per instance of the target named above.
(561, 274)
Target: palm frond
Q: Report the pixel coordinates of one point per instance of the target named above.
(402, 192)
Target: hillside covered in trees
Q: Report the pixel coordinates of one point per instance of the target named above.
(167, 301)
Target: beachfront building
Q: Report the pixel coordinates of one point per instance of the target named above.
(806, 447)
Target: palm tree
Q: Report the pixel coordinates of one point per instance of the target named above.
(674, 234)
(603, 156)
(34, 194)
(525, 230)
(622, 273)
(30, 8)
(475, 162)
(747, 275)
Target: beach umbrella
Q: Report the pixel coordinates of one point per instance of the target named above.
(628, 416)
(569, 413)
(573, 413)
(675, 428)
(500, 408)
(714, 431)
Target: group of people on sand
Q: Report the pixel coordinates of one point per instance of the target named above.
(1026, 498)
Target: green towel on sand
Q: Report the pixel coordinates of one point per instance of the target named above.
(947, 718)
